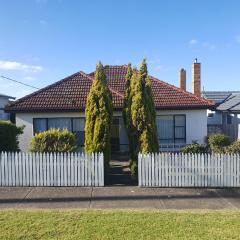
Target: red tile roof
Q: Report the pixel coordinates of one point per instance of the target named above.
(70, 94)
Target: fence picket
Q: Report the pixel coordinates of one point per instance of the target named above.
(52, 169)
(189, 170)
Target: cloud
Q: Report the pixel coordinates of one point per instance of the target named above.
(193, 42)
(12, 65)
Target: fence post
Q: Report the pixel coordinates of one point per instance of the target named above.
(139, 169)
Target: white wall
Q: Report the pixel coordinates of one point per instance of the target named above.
(196, 123)
(27, 120)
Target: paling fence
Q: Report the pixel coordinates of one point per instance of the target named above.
(188, 170)
(51, 169)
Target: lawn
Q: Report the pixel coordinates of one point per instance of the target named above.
(82, 224)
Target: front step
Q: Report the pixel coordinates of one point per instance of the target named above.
(119, 171)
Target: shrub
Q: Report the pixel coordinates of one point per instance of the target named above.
(218, 143)
(195, 148)
(54, 140)
(9, 136)
(134, 169)
(234, 148)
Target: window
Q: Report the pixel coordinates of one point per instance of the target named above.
(39, 125)
(75, 125)
(78, 129)
(171, 129)
(60, 123)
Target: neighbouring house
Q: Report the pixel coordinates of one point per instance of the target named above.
(4, 101)
(181, 115)
(225, 117)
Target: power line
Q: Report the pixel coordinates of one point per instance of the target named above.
(25, 84)
(72, 101)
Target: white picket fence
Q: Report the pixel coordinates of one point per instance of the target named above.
(51, 169)
(188, 170)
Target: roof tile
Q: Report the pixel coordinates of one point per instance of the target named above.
(70, 94)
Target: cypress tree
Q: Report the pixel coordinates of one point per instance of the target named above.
(127, 111)
(98, 116)
(143, 113)
(151, 127)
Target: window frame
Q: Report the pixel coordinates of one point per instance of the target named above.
(52, 118)
(174, 128)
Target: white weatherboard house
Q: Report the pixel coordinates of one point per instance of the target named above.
(181, 116)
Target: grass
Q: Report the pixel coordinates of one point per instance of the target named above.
(80, 224)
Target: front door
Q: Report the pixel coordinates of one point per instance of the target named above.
(115, 141)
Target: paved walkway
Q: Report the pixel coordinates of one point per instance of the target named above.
(131, 197)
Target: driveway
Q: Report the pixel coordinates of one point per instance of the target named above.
(119, 197)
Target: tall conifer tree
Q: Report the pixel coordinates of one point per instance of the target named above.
(98, 116)
(127, 112)
(150, 127)
(139, 113)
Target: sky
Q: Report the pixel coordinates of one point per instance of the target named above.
(43, 41)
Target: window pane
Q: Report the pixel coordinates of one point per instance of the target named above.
(179, 132)
(165, 127)
(78, 124)
(39, 125)
(78, 129)
(180, 141)
(180, 121)
(60, 123)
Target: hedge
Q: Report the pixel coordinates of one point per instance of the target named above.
(9, 133)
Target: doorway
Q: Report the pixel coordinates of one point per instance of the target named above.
(119, 165)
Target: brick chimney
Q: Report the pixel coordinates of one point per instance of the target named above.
(196, 78)
(182, 79)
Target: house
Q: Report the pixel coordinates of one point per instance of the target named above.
(4, 100)
(225, 117)
(181, 116)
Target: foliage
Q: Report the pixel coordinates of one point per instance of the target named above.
(218, 143)
(54, 140)
(99, 116)
(134, 169)
(9, 133)
(195, 148)
(127, 103)
(234, 148)
(150, 107)
(140, 119)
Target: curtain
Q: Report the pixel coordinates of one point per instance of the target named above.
(78, 129)
(60, 123)
(165, 127)
(39, 125)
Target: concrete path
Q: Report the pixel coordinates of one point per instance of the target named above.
(122, 197)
